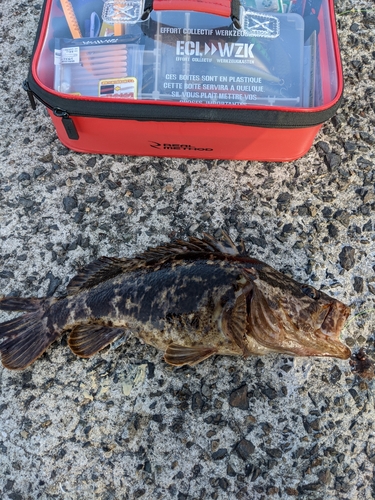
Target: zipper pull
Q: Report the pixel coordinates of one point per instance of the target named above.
(26, 87)
(68, 123)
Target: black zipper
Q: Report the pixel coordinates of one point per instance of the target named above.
(263, 117)
(63, 114)
(30, 94)
(60, 113)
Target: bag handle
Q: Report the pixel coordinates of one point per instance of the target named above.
(224, 8)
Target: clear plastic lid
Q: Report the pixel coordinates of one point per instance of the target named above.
(281, 54)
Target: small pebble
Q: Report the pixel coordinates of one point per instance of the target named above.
(347, 257)
(69, 204)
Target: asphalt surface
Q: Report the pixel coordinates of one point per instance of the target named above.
(123, 424)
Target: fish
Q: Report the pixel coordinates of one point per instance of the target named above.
(190, 299)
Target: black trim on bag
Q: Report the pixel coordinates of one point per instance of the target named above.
(140, 111)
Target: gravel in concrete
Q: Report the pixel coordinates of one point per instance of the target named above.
(124, 425)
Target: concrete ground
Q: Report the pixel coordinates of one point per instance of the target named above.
(123, 424)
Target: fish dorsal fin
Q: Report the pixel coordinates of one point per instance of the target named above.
(178, 355)
(226, 245)
(94, 273)
(86, 340)
(106, 268)
(194, 247)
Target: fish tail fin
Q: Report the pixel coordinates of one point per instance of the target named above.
(25, 338)
(19, 304)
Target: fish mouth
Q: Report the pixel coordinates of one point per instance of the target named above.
(311, 334)
(334, 319)
(328, 333)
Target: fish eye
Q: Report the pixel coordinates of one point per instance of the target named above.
(310, 292)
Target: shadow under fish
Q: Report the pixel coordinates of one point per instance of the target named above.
(191, 299)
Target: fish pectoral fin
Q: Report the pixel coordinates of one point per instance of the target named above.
(86, 340)
(178, 355)
(237, 321)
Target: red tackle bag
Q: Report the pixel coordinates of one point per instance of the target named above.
(219, 79)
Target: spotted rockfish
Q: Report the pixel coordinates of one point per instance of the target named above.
(190, 299)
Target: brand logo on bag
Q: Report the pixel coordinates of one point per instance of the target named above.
(260, 25)
(177, 147)
(190, 48)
